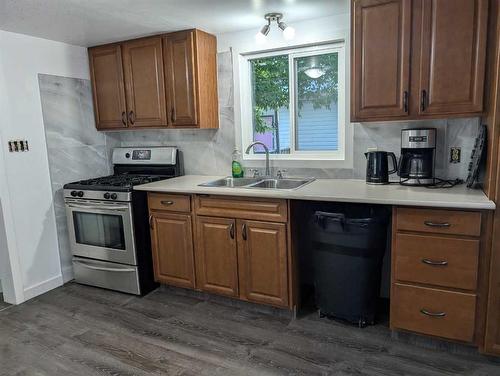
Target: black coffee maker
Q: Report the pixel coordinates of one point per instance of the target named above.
(418, 152)
(377, 166)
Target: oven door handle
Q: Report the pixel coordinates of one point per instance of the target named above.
(100, 268)
(90, 207)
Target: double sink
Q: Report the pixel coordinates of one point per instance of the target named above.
(260, 183)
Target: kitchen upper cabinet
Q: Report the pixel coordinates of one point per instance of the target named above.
(179, 67)
(216, 256)
(416, 59)
(145, 82)
(162, 81)
(108, 87)
(172, 243)
(452, 57)
(380, 73)
(191, 77)
(262, 262)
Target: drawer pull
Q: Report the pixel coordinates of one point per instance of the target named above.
(436, 224)
(435, 263)
(167, 203)
(432, 314)
(231, 230)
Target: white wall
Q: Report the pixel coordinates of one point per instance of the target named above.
(25, 190)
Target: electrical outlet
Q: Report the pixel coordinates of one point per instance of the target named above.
(18, 145)
(455, 155)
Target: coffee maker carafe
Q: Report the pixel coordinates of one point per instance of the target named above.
(418, 149)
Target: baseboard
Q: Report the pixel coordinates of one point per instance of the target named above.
(43, 287)
(67, 274)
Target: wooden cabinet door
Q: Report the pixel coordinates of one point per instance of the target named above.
(492, 338)
(380, 74)
(106, 73)
(452, 56)
(179, 62)
(172, 237)
(144, 82)
(216, 256)
(262, 262)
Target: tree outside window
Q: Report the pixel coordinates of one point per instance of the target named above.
(315, 101)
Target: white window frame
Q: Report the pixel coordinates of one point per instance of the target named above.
(247, 108)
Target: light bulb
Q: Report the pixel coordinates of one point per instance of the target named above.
(289, 33)
(260, 38)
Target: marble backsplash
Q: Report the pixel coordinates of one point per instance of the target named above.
(75, 149)
(208, 152)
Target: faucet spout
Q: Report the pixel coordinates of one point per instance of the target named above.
(266, 149)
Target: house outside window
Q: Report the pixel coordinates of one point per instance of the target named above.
(294, 102)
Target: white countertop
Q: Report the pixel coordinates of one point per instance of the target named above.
(342, 190)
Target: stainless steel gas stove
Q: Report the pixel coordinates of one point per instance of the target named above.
(108, 220)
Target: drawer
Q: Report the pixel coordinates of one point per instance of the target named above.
(169, 202)
(435, 260)
(439, 221)
(242, 208)
(108, 275)
(434, 312)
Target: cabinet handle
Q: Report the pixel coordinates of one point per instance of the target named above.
(432, 314)
(124, 118)
(437, 224)
(231, 231)
(167, 203)
(405, 101)
(151, 222)
(172, 115)
(131, 117)
(244, 231)
(423, 100)
(435, 263)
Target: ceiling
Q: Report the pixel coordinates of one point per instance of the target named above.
(91, 22)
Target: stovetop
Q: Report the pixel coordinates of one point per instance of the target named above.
(118, 182)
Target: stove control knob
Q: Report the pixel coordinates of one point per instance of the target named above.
(127, 155)
(114, 196)
(107, 195)
(80, 193)
(74, 193)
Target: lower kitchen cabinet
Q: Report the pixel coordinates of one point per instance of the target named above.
(238, 247)
(216, 256)
(262, 262)
(435, 258)
(172, 243)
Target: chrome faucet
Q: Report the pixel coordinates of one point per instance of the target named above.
(268, 173)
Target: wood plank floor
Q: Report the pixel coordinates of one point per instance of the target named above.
(79, 330)
(3, 305)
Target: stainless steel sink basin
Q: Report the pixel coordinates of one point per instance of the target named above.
(281, 183)
(262, 183)
(231, 182)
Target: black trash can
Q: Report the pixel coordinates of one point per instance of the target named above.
(348, 249)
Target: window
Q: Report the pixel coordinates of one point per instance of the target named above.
(294, 102)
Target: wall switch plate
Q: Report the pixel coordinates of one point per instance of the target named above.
(455, 154)
(18, 145)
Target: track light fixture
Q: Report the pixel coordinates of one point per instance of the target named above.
(288, 31)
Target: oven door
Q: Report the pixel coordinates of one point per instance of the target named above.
(101, 230)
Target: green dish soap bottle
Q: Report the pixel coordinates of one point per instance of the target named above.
(237, 166)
